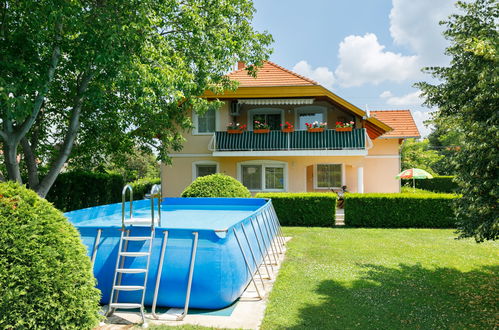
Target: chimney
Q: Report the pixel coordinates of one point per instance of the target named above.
(241, 65)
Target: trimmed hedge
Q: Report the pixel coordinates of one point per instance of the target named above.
(46, 279)
(402, 210)
(77, 190)
(141, 187)
(216, 185)
(441, 184)
(304, 209)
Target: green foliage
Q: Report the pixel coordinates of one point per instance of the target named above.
(141, 187)
(78, 190)
(216, 185)
(467, 95)
(404, 210)
(46, 280)
(446, 139)
(410, 190)
(115, 78)
(416, 154)
(441, 184)
(304, 209)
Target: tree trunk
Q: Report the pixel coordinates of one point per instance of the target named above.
(31, 165)
(10, 160)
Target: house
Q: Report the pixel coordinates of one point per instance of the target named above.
(365, 159)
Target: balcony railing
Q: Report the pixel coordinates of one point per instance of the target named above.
(298, 140)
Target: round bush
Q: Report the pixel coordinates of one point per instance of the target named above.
(46, 280)
(216, 185)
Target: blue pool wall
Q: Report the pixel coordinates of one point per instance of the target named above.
(220, 273)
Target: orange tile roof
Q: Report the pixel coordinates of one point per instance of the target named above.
(270, 74)
(401, 121)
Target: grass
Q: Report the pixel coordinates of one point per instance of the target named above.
(383, 279)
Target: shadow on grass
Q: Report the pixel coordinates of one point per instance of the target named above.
(409, 296)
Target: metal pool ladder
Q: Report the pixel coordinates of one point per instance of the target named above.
(123, 252)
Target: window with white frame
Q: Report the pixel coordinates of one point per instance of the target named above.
(203, 168)
(328, 176)
(309, 114)
(205, 123)
(263, 176)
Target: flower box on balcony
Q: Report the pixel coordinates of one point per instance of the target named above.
(261, 131)
(315, 130)
(343, 129)
(235, 131)
(288, 130)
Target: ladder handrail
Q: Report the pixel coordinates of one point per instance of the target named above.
(123, 204)
(155, 193)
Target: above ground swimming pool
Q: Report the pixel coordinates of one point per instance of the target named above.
(234, 235)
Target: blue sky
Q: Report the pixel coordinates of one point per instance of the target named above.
(369, 52)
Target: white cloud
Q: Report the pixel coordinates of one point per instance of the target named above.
(420, 117)
(408, 100)
(364, 60)
(415, 24)
(321, 74)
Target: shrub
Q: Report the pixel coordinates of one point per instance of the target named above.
(441, 184)
(141, 187)
(216, 185)
(303, 209)
(77, 190)
(46, 280)
(403, 210)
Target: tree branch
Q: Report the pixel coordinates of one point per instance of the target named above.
(69, 138)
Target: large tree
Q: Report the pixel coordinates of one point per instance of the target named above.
(104, 75)
(467, 96)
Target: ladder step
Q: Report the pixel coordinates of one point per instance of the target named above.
(129, 287)
(125, 305)
(137, 238)
(134, 254)
(131, 270)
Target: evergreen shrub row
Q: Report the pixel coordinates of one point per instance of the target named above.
(402, 210)
(304, 209)
(441, 184)
(77, 190)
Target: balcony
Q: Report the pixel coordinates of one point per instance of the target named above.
(298, 143)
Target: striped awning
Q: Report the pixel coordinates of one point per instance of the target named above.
(276, 101)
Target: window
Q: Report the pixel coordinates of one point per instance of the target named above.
(263, 175)
(203, 170)
(205, 123)
(204, 167)
(252, 176)
(273, 117)
(328, 176)
(274, 120)
(309, 114)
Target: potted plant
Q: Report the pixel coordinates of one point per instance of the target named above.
(235, 128)
(316, 127)
(287, 127)
(260, 128)
(344, 127)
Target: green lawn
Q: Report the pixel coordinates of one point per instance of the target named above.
(384, 279)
